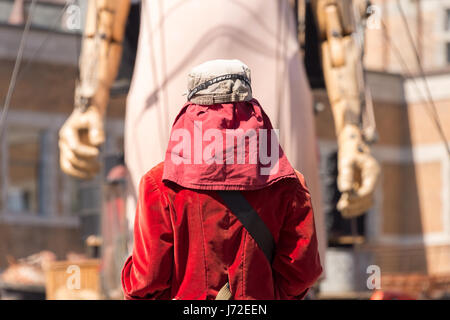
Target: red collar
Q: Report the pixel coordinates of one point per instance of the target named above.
(229, 146)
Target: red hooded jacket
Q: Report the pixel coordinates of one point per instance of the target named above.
(187, 244)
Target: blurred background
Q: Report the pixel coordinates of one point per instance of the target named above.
(50, 221)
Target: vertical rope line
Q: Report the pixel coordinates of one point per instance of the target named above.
(13, 81)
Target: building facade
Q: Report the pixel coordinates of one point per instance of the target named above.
(40, 207)
(407, 231)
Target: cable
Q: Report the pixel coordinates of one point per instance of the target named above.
(408, 72)
(420, 66)
(13, 80)
(19, 72)
(47, 37)
(422, 74)
(404, 65)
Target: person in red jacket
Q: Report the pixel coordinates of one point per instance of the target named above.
(187, 242)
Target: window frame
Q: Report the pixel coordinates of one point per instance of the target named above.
(51, 123)
(440, 30)
(7, 177)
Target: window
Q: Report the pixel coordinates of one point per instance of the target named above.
(33, 188)
(448, 52)
(25, 167)
(447, 20)
(34, 185)
(447, 35)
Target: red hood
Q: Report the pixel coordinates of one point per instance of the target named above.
(197, 156)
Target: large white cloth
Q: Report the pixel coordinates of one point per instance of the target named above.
(177, 35)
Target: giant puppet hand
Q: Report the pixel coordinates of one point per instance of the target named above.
(79, 140)
(357, 173)
(343, 71)
(83, 133)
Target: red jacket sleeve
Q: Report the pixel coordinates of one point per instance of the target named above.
(147, 272)
(296, 265)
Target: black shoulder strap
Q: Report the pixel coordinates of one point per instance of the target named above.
(251, 221)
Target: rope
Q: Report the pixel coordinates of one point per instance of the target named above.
(47, 37)
(407, 71)
(12, 82)
(422, 74)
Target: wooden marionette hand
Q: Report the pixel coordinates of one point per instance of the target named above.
(83, 132)
(79, 141)
(358, 171)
